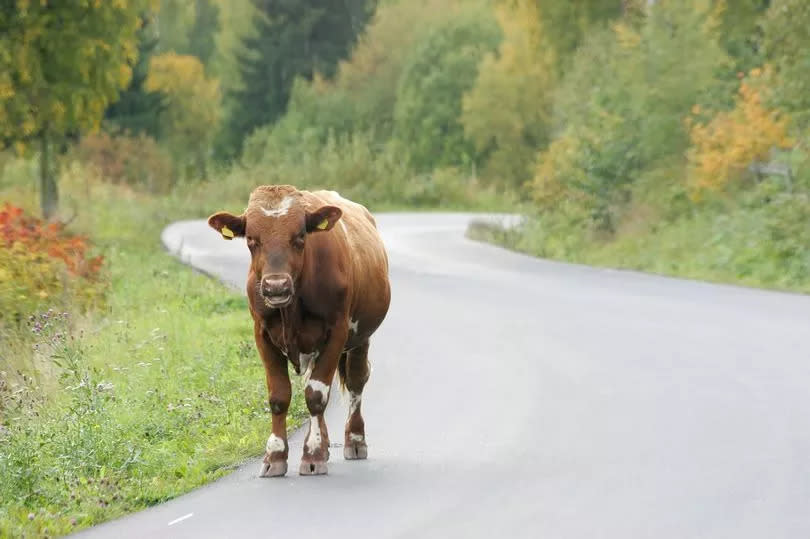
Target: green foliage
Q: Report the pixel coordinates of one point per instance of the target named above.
(740, 31)
(375, 175)
(621, 105)
(441, 68)
(163, 392)
(508, 112)
(362, 96)
(138, 110)
(192, 108)
(290, 39)
(135, 161)
(787, 47)
(201, 39)
(671, 83)
(61, 64)
(568, 23)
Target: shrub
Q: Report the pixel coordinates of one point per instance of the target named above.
(508, 112)
(41, 264)
(441, 68)
(136, 161)
(723, 148)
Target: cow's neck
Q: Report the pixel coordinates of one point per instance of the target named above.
(282, 326)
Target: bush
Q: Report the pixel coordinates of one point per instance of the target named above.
(508, 112)
(724, 147)
(40, 265)
(441, 68)
(136, 161)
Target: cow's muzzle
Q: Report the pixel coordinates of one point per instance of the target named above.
(277, 290)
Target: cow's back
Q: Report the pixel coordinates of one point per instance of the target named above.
(367, 258)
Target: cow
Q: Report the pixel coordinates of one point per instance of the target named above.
(317, 290)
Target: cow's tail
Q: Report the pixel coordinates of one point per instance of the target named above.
(344, 358)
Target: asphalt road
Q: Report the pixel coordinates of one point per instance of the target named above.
(512, 397)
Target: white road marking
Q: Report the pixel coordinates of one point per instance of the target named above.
(181, 519)
(281, 209)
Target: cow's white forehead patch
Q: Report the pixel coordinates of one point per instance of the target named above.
(281, 209)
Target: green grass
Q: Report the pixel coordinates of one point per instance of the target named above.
(161, 392)
(756, 237)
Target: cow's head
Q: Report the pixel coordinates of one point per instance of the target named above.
(276, 224)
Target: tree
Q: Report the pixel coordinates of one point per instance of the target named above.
(508, 112)
(201, 42)
(137, 110)
(570, 22)
(740, 30)
(787, 49)
(290, 38)
(442, 67)
(61, 64)
(192, 105)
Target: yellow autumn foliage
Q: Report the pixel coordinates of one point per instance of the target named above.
(722, 149)
(193, 107)
(508, 111)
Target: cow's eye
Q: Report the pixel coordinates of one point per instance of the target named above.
(298, 240)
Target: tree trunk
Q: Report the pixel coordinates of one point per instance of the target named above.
(49, 193)
(202, 173)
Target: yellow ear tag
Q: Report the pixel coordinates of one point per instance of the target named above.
(227, 233)
(323, 224)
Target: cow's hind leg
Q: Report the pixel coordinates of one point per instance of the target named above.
(355, 374)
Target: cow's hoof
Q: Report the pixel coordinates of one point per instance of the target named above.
(274, 469)
(355, 451)
(312, 468)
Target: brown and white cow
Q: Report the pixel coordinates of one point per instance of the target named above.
(317, 289)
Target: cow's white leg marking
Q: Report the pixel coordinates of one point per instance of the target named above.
(314, 439)
(354, 404)
(274, 444)
(356, 437)
(317, 385)
(282, 208)
(353, 325)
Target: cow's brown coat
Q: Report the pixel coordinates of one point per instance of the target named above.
(331, 249)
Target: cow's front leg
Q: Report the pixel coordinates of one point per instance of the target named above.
(316, 393)
(279, 393)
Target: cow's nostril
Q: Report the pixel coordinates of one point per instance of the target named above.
(276, 287)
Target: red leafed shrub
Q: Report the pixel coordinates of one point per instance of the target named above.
(50, 238)
(41, 264)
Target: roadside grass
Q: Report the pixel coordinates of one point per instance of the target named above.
(159, 393)
(756, 238)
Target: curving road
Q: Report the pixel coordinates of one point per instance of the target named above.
(515, 397)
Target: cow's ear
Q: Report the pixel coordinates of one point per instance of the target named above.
(228, 224)
(324, 218)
